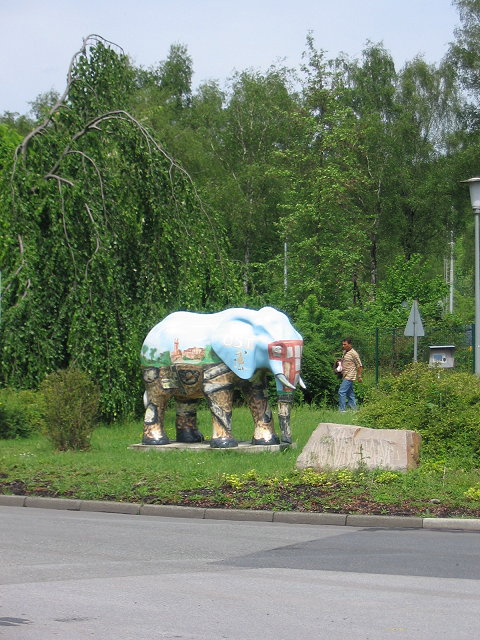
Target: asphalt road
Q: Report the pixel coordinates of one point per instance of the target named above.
(78, 575)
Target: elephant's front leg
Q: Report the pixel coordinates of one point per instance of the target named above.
(155, 399)
(218, 390)
(153, 424)
(257, 399)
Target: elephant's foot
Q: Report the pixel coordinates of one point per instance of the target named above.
(189, 435)
(223, 443)
(154, 434)
(156, 441)
(274, 439)
(264, 434)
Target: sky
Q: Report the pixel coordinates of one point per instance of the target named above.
(40, 37)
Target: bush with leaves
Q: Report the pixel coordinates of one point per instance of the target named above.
(21, 413)
(442, 405)
(71, 408)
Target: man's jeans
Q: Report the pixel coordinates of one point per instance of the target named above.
(345, 393)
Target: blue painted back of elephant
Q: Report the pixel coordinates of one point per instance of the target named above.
(242, 338)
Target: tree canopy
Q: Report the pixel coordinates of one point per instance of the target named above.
(323, 190)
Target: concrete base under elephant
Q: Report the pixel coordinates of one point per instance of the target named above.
(243, 447)
(344, 446)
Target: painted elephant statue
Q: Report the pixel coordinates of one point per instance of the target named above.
(193, 355)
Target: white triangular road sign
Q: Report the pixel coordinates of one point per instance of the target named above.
(414, 323)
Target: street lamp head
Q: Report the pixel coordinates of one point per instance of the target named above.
(474, 186)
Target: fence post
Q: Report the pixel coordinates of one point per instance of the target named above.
(377, 332)
(473, 347)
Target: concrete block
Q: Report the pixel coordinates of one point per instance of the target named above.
(464, 524)
(299, 517)
(238, 514)
(110, 507)
(243, 447)
(398, 522)
(343, 446)
(171, 511)
(12, 501)
(52, 503)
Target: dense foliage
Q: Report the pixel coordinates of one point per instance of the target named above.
(71, 402)
(443, 406)
(21, 413)
(331, 191)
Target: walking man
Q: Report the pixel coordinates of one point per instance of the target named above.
(351, 370)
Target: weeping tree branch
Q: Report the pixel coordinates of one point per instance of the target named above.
(97, 249)
(62, 201)
(89, 40)
(95, 125)
(41, 129)
(58, 178)
(100, 180)
(122, 115)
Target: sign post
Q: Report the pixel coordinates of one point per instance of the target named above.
(414, 327)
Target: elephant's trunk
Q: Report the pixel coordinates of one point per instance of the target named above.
(284, 409)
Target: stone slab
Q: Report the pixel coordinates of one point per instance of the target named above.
(465, 524)
(400, 522)
(110, 507)
(295, 517)
(14, 501)
(238, 514)
(243, 447)
(344, 446)
(171, 511)
(53, 503)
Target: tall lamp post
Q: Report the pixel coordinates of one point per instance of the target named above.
(474, 185)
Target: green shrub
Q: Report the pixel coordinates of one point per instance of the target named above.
(21, 413)
(318, 375)
(71, 407)
(442, 405)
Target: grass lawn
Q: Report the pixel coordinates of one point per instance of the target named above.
(230, 479)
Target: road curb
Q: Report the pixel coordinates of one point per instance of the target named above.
(171, 511)
(286, 517)
(299, 517)
(358, 520)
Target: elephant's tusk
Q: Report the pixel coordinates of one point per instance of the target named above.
(301, 383)
(284, 381)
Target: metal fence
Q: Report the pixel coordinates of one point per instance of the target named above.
(388, 351)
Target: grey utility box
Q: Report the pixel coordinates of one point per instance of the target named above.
(442, 356)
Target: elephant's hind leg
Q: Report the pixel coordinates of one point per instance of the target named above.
(218, 389)
(257, 399)
(186, 421)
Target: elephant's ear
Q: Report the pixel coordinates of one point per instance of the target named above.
(234, 342)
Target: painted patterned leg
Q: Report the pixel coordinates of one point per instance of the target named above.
(153, 426)
(257, 399)
(155, 400)
(218, 389)
(186, 421)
